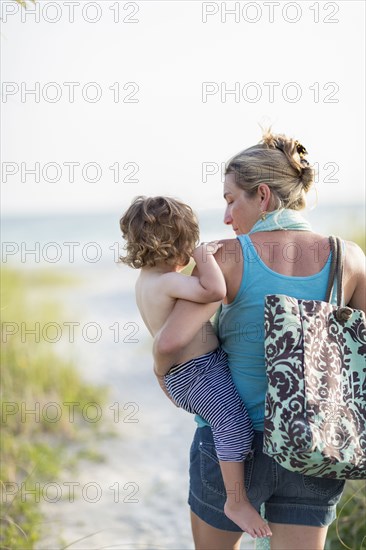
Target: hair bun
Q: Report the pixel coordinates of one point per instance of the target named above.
(295, 154)
(301, 150)
(307, 176)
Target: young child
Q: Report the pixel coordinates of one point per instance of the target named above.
(161, 235)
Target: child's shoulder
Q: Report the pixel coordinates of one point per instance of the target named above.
(160, 280)
(172, 278)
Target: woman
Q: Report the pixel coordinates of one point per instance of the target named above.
(275, 252)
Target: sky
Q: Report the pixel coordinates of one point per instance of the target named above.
(148, 98)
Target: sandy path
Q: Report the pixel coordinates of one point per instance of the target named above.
(142, 484)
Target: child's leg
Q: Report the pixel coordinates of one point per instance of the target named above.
(208, 390)
(237, 506)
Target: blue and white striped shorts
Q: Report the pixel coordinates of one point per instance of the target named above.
(204, 386)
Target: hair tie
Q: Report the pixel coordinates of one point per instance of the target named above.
(301, 150)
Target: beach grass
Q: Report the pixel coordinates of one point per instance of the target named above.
(38, 422)
(348, 531)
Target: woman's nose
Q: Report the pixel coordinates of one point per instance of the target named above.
(228, 220)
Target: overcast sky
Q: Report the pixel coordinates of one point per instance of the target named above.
(136, 96)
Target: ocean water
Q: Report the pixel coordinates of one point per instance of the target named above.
(95, 239)
(147, 463)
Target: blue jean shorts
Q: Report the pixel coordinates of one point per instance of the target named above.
(288, 497)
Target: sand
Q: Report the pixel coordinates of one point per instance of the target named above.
(137, 497)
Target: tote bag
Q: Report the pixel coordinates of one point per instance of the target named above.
(315, 353)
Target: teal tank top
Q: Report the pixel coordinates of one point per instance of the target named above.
(241, 324)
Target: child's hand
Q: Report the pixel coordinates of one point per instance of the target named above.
(206, 249)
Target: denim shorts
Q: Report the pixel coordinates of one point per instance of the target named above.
(288, 497)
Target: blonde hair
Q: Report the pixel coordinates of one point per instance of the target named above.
(279, 162)
(158, 229)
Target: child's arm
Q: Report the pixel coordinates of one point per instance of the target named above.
(208, 286)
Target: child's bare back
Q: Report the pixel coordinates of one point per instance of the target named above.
(158, 288)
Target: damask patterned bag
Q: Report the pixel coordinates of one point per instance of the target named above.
(315, 413)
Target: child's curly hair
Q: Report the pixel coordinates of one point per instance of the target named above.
(158, 229)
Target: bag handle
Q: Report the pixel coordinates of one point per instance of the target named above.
(340, 273)
(335, 269)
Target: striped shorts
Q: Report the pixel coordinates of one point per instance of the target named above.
(204, 386)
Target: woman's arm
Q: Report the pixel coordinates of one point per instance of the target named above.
(182, 325)
(356, 258)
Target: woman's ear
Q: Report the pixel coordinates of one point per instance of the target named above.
(264, 194)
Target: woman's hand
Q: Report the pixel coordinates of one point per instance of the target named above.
(162, 385)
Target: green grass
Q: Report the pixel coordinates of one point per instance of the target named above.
(34, 447)
(348, 531)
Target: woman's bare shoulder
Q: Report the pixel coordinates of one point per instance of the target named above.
(354, 249)
(229, 253)
(355, 257)
(355, 276)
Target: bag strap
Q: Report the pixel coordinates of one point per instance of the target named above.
(336, 268)
(340, 273)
